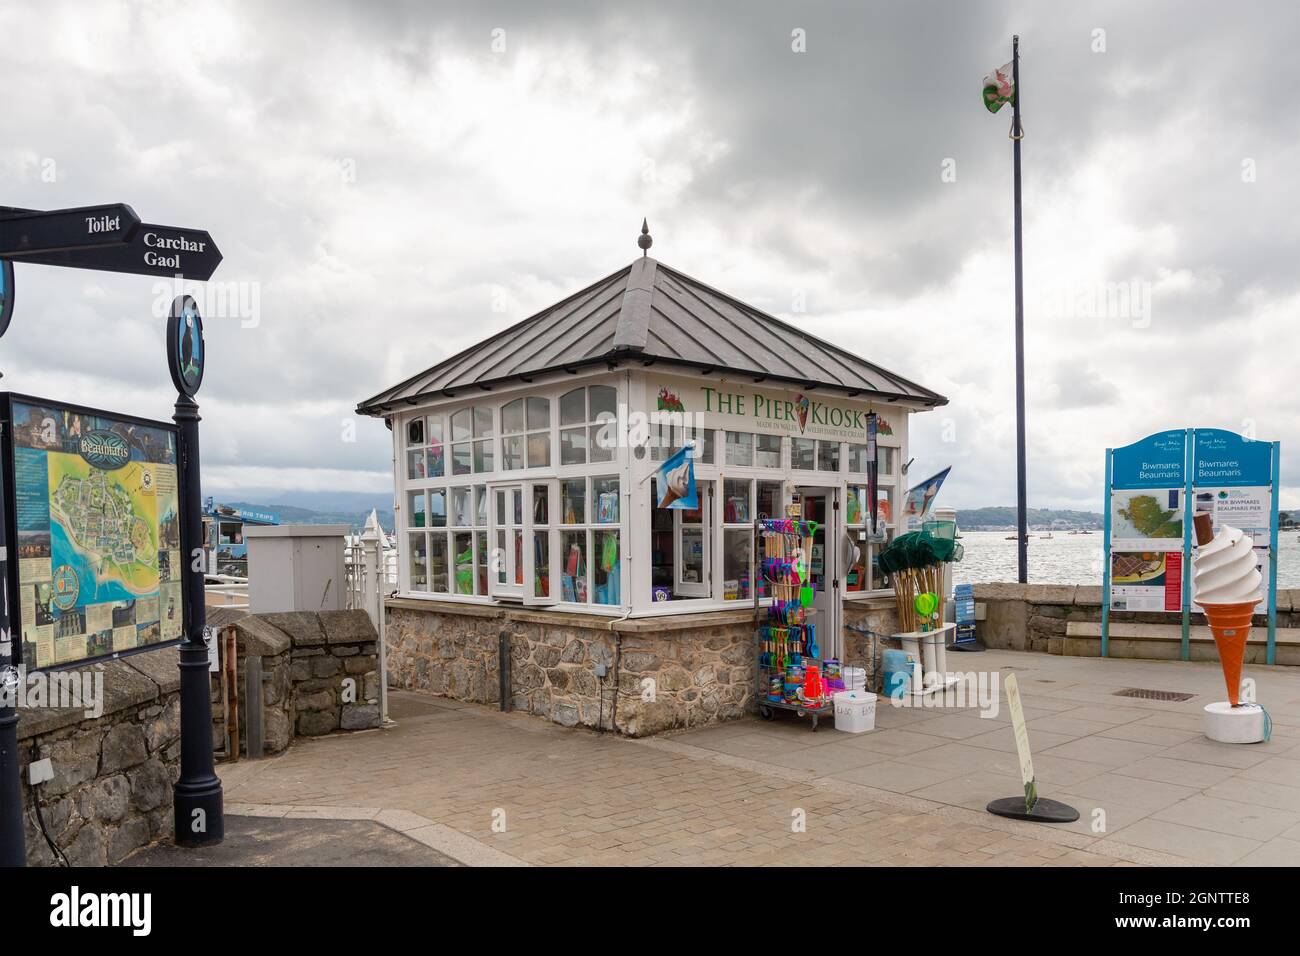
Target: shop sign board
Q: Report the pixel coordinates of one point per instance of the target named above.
(1154, 488)
(96, 532)
(756, 407)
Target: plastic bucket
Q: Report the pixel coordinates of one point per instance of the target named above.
(855, 711)
(896, 667)
(855, 678)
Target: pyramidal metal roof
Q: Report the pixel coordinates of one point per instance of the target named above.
(652, 314)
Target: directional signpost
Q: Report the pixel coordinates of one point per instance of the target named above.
(148, 250)
(112, 238)
(87, 227)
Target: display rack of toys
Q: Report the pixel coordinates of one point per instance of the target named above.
(790, 669)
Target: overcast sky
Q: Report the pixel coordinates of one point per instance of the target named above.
(391, 182)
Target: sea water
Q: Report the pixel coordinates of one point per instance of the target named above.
(1068, 558)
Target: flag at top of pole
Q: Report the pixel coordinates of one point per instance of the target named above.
(1002, 86)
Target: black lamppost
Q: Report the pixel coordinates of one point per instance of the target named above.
(199, 819)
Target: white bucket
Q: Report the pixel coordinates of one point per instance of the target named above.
(855, 678)
(855, 711)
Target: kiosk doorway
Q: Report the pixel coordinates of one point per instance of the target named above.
(822, 505)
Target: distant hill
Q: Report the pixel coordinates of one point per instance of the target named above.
(290, 514)
(999, 518)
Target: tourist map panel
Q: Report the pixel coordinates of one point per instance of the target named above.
(98, 534)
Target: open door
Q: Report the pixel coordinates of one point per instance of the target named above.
(541, 542)
(694, 532)
(506, 542)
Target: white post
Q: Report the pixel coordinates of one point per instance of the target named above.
(372, 597)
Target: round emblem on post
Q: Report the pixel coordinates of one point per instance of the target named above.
(185, 354)
(6, 294)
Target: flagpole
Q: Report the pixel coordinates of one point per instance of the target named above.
(1022, 529)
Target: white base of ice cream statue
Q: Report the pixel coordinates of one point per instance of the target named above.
(1227, 581)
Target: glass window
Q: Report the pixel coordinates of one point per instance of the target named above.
(461, 509)
(512, 453)
(460, 459)
(415, 431)
(603, 437)
(435, 448)
(737, 545)
(604, 500)
(418, 553)
(482, 421)
(480, 506)
(769, 499)
(736, 504)
(740, 449)
(539, 449)
(438, 579)
(668, 434)
(539, 413)
(512, 417)
(480, 562)
(803, 453)
(438, 508)
(767, 451)
(461, 424)
(604, 401)
(886, 458)
(530, 446)
(415, 463)
(463, 546)
(541, 564)
(415, 510)
(541, 505)
(573, 446)
(482, 456)
(573, 407)
(573, 574)
(573, 497)
(605, 573)
(828, 456)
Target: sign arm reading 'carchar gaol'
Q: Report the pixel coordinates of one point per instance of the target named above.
(149, 249)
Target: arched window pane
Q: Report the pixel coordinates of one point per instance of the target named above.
(573, 407)
(512, 417)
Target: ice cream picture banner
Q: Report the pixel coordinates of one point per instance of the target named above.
(675, 481)
(1155, 488)
(920, 499)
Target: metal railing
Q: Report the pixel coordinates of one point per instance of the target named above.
(355, 574)
(232, 590)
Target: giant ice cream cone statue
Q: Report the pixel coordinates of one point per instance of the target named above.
(1226, 581)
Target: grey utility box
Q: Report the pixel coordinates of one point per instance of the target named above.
(296, 567)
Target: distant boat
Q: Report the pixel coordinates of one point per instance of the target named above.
(1085, 532)
(1074, 531)
(1048, 535)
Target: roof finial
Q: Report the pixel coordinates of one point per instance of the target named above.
(644, 240)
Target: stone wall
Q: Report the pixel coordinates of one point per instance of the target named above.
(112, 787)
(1064, 619)
(874, 614)
(320, 674)
(661, 673)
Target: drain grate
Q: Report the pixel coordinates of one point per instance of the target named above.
(1146, 693)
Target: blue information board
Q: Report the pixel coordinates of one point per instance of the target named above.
(1154, 488)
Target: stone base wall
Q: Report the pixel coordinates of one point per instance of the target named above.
(660, 673)
(113, 774)
(874, 614)
(1037, 617)
(320, 674)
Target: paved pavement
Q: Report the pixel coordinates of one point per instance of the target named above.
(489, 788)
(278, 841)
